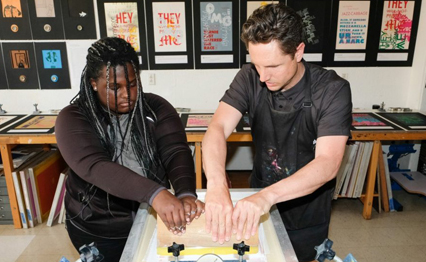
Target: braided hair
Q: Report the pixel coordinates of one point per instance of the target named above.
(109, 53)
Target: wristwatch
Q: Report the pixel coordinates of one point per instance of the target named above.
(210, 258)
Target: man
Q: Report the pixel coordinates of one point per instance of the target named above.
(300, 116)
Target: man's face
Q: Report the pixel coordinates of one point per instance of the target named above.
(276, 69)
(122, 93)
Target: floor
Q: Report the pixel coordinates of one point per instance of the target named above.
(390, 237)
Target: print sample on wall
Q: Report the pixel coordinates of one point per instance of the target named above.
(396, 25)
(216, 26)
(352, 24)
(122, 21)
(169, 26)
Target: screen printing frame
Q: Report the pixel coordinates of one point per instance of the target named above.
(144, 225)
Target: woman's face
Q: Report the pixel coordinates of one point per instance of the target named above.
(124, 104)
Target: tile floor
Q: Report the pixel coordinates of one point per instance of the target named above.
(390, 237)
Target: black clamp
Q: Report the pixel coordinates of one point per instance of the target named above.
(175, 249)
(241, 248)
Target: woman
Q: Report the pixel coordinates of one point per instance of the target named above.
(123, 147)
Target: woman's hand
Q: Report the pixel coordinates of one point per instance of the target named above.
(171, 211)
(193, 208)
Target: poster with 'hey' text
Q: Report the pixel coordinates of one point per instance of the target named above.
(396, 26)
(122, 21)
(216, 26)
(169, 26)
(352, 24)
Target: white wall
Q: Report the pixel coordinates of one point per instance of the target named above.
(201, 89)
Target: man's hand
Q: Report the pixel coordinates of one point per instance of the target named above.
(219, 213)
(246, 215)
(171, 211)
(193, 208)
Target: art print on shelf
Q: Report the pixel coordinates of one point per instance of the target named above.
(396, 26)
(6, 120)
(216, 44)
(196, 121)
(370, 121)
(352, 25)
(11, 8)
(122, 21)
(33, 124)
(409, 121)
(169, 26)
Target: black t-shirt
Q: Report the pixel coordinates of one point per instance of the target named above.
(331, 97)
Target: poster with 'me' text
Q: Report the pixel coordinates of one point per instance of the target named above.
(396, 26)
(352, 25)
(169, 26)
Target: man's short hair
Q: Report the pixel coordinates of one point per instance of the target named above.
(274, 22)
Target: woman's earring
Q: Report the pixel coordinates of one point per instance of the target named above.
(95, 89)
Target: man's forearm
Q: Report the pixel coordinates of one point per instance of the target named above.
(214, 155)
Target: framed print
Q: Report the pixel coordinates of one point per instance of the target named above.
(79, 19)
(33, 124)
(370, 121)
(396, 32)
(14, 20)
(52, 61)
(46, 19)
(409, 121)
(196, 121)
(246, 9)
(169, 34)
(351, 30)
(20, 63)
(216, 34)
(3, 79)
(316, 24)
(8, 119)
(125, 19)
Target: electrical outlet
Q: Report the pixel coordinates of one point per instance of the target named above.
(151, 79)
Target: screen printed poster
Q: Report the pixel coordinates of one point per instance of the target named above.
(199, 120)
(169, 26)
(216, 26)
(122, 21)
(11, 8)
(352, 24)
(396, 25)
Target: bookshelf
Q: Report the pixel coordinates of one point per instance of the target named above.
(7, 142)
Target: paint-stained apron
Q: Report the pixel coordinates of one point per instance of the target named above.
(284, 143)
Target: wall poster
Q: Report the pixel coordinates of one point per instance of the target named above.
(52, 65)
(46, 19)
(314, 15)
(169, 27)
(396, 26)
(216, 42)
(170, 34)
(14, 20)
(122, 21)
(352, 25)
(125, 19)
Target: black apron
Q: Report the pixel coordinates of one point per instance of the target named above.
(284, 143)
